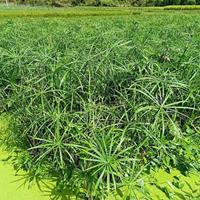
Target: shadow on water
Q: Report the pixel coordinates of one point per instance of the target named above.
(52, 188)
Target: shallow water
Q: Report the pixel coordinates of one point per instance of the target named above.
(9, 185)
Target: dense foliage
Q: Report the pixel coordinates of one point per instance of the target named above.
(60, 3)
(33, 12)
(94, 101)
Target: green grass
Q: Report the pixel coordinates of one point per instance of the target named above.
(13, 11)
(185, 7)
(68, 12)
(28, 11)
(96, 102)
(39, 11)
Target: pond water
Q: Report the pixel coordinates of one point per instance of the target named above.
(10, 188)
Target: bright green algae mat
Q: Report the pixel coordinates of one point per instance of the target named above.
(10, 188)
(160, 185)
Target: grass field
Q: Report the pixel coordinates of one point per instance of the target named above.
(32, 12)
(182, 7)
(26, 11)
(99, 102)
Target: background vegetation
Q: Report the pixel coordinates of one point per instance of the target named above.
(61, 3)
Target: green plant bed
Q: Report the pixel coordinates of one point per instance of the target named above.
(156, 185)
(95, 103)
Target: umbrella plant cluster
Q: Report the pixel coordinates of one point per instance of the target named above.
(93, 101)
